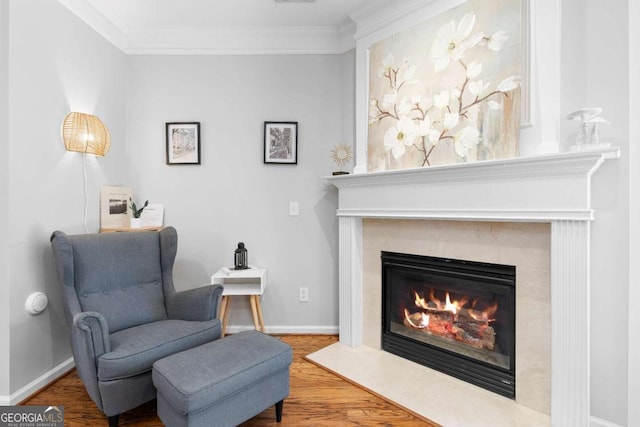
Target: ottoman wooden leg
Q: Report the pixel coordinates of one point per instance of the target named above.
(279, 410)
(113, 420)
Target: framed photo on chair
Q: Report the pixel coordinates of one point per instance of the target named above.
(281, 142)
(183, 143)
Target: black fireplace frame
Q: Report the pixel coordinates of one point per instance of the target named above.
(496, 379)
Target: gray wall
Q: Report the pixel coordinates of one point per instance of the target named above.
(233, 196)
(56, 64)
(608, 86)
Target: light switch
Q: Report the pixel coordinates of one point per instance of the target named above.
(294, 209)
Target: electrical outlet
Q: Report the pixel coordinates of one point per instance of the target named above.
(304, 295)
(294, 209)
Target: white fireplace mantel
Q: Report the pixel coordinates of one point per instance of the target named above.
(551, 188)
(540, 188)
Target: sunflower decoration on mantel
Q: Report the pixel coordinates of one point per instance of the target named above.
(341, 154)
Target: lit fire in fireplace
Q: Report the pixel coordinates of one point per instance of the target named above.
(452, 320)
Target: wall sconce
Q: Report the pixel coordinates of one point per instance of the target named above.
(86, 134)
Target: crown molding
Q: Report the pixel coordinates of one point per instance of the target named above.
(218, 40)
(115, 34)
(239, 41)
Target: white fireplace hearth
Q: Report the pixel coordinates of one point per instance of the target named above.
(555, 190)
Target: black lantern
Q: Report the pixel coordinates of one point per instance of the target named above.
(240, 258)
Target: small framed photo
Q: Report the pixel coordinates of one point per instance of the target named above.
(114, 206)
(281, 142)
(183, 143)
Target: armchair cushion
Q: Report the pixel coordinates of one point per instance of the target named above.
(134, 350)
(127, 306)
(119, 275)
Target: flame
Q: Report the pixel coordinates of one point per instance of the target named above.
(452, 306)
(455, 306)
(420, 302)
(424, 320)
(484, 315)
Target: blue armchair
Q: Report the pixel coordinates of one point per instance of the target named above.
(125, 313)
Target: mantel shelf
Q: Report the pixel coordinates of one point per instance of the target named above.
(583, 162)
(536, 188)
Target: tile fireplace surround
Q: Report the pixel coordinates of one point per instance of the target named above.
(554, 190)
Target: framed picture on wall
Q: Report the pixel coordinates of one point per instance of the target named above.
(281, 142)
(183, 143)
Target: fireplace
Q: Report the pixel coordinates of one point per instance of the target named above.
(552, 190)
(455, 316)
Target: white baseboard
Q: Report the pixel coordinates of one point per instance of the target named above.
(37, 384)
(597, 422)
(312, 330)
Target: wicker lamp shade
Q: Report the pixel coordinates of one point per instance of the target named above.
(86, 134)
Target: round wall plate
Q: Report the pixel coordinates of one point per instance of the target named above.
(36, 303)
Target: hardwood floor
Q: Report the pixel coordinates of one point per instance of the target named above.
(317, 398)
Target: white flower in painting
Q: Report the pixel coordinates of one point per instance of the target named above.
(477, 87)
(389, 99)
(425, 128)
(387, 65)
(441, 100)
(509, 83)
(473, 70)
(494, 105)
(497, 40)
(451, 41)
(455, 93)
(404, 107)
(472, 41)
(451, 120)
(465, 140)
(398, 137)
(434, 136)
(405, 74)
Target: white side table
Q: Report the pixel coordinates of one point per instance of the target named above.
(251, 282)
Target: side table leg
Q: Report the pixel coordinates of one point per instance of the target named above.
(224, 313)
(254, 311)
(259, 307)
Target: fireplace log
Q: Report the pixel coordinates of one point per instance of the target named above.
(474, 336)
(474, 333)
(442, 314)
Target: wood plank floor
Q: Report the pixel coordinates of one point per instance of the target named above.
(317, 398)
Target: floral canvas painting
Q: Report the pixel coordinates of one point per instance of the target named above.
(447, 90)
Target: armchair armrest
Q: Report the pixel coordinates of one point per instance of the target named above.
(195, 304)
(95, 332)
(90, 340)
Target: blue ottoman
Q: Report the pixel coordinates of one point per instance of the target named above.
(224, 382)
